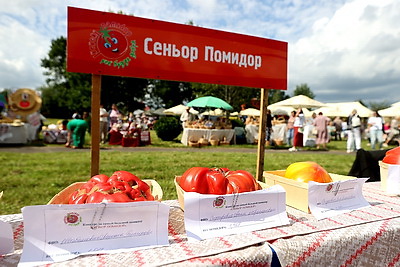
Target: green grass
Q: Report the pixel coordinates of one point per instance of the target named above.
(33, 178)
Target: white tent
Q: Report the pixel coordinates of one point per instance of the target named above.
(298, 101)
(393, 111)
(250, 112)
(397, 104)
(344, 109)
(284, 110)
(215, 112)
(178, 110)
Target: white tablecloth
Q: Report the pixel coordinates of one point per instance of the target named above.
(10, 134)
(196, 134)
(308, 137)
(279, 132)
(251, 133)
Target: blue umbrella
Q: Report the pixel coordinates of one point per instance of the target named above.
(209, 102)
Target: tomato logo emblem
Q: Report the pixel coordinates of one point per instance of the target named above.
(219, 202)
(329, 187)
(72, 218)
(111, 44)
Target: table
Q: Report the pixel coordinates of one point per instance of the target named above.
(279, 132)
(367, 237)
(10, 134)
(196, 134)
(251, 133)
(308, 138)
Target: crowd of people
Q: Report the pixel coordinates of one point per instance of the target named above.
(378, 131)
(110, 121)
(323, 129)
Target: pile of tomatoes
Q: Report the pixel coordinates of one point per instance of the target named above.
(121, 186)
(217, 181)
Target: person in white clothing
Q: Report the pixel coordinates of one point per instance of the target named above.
(103, 124)
(375, 125)
(185, 116)
(354, 132)
(298, 125)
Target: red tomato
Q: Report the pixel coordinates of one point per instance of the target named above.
(194, 180)
(307, 171)
(241, 181)
(392, 158)
(217, 181)
(393, 151)
(99, 178)
(100, 197)
(122, 186)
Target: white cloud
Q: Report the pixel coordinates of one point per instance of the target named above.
(354, 53)
(344, 49)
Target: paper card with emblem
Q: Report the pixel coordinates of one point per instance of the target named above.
(329, 199)
(208, 216)
(54, 233)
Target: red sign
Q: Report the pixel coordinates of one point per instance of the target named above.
(120, 45)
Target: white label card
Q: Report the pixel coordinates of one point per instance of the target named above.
(208, 216)
(6, 238)
(393, 180)
(330, 199)
(55, 233)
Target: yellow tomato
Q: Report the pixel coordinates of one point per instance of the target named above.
(307, 171)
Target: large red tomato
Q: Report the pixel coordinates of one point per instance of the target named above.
(241, 181)
(392, 156)
(217, 181)
(307, 171)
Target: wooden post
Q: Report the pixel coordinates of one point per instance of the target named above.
(261, 134)
(95, 125)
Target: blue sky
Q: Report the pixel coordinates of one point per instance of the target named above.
(345, 50)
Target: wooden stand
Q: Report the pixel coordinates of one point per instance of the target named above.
(95, 125)
(261, 134)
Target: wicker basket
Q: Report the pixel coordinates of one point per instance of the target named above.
(203, 142)
(214, 141)
(63, 196)
(193, 143)
(278, 142)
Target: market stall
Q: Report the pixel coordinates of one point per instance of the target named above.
(218, 134)
(349, 239)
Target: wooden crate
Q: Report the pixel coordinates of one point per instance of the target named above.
(383, 167)
(296, 192)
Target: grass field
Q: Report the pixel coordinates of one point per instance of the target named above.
(33, 178)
